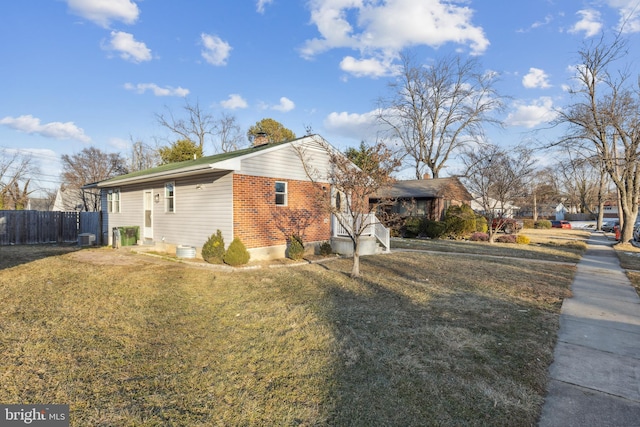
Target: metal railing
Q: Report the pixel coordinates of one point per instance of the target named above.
(342, 226)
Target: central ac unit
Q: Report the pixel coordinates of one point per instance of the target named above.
(86, 239)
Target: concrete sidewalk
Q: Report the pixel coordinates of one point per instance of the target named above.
(595, 375)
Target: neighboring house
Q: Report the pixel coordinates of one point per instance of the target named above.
(39, 204)
(260, 195)
(506, 210)
(424, 197)
(68, 200)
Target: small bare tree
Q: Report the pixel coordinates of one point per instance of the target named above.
(496, 177)
(15, 171)
(352, 186)
(438, 109)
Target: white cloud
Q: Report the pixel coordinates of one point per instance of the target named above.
(590, 23)
(368, 67)
(536, 78)
(58, 130)
(352, 125)
(234, 102)
(383, 29)
(129, 48)
(216, 51)
(102, 12)
(629, 12)
(157, 90)
(531, 115)
(261, 5)
(285, 105)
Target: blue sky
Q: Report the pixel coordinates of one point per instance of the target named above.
(80, 73)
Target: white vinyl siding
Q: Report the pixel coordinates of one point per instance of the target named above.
(285, 163)
(204, 204)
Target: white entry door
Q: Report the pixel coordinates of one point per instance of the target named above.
(147, 233)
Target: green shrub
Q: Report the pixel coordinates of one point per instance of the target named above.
(479, 236)
(325, 249)
(296, 247)
(411, 227)
(481, 224)
(543, 223)
(506, 238)
(213, 249)
(236, 253)
(521, 239)
(460, 220)
(433, 229)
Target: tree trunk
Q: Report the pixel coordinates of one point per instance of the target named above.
(355, 268)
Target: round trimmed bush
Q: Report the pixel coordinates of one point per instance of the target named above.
(296, 247)
(213, 249)
(521, 239)
(236, 253)
(325, 249)
(479, 237)
(460, 220)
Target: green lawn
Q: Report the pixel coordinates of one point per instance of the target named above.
(421, 339)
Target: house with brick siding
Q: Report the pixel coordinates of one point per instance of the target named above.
(260, 195)
(429, 197)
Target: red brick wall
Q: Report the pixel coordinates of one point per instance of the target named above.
(258, 222)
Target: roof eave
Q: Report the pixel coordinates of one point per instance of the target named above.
(224, 166)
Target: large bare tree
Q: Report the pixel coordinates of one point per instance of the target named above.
(86, 167)
(143, 156)
(605, 117)
(436, 109)
(228, 133)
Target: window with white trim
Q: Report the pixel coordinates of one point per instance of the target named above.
(169, 197)
(281, 193)
(113, 200)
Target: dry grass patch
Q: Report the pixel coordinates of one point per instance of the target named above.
(421, 338)
(549, 245)
(629, 257)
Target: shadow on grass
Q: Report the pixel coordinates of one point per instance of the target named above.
(11, 256)
(410, 356)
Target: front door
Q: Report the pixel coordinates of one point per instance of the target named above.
(147, 233)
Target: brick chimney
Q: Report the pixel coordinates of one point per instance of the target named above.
(261, 138)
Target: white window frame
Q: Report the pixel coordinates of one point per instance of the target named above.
(170, 200)
(283, 194)
(114, 203)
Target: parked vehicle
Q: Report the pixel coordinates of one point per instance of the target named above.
(508, 225)
(636, 233)
(609, 225)
(561, 224)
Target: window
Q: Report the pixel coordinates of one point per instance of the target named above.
(113, 200)
(281, 193)
(169, 197)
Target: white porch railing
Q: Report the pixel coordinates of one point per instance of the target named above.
(372, 227)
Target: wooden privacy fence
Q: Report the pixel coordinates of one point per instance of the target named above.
(37, 227)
